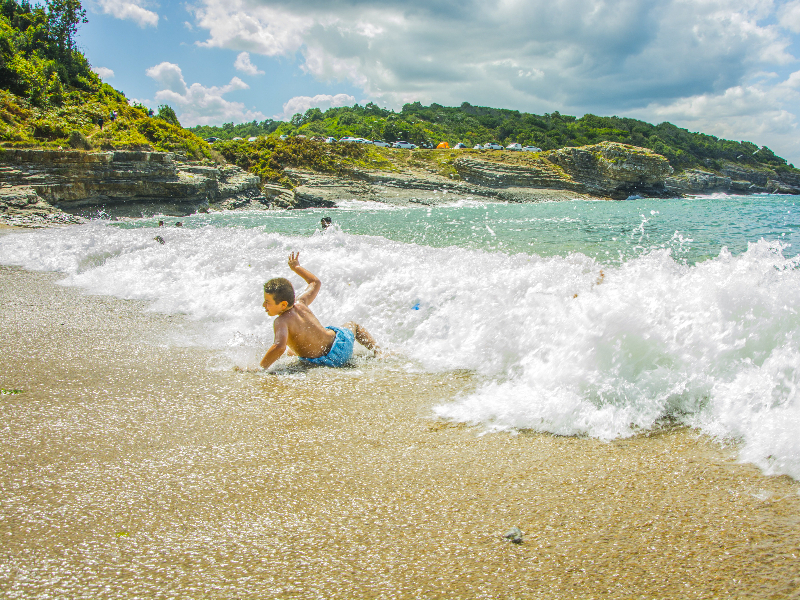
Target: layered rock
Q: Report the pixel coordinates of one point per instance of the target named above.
(118, 182)
(613, 170)
(735, 179)
(537, 175)
(21, 205)
(415, 187)
(695, 181)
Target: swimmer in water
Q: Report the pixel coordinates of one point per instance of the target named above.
(297, 328)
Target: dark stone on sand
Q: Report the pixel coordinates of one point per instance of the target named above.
(514, 535)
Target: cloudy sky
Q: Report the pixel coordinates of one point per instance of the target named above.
(730, 68)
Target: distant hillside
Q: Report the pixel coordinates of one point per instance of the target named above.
(477, 124)
(49, 96)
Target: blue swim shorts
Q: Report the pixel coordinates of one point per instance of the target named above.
(340, 352)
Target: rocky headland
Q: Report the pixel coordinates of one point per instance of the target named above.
(40, 187)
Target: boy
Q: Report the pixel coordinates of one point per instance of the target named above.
(298, 328)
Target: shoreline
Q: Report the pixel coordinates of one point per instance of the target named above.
(55, 187)
(134, 469)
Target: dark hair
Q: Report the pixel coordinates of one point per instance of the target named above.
(280, 289)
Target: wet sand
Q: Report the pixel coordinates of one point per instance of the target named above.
(132, 469)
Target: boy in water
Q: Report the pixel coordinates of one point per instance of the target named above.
(298, 328)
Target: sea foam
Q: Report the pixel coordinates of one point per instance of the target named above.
(563, 344)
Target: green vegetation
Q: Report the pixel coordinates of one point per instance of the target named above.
(228, 131)
(476, 124)
(268, 157)
(49, 96)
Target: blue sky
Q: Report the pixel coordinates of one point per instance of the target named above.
(725, 67)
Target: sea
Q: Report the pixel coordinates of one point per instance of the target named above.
(577, 318)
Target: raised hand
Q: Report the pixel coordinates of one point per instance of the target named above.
(294, 260)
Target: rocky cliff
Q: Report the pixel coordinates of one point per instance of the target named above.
(499, 175)
(51, 184)
(613, 170)
(734, 179)
(606, 170)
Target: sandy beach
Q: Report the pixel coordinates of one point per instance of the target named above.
(134, 469)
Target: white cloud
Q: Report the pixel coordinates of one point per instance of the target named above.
(241, 25)
(300, 104)
(169, 75)
(132, 10)
(793, 81)
(789, 16)
(196, 104)
(593, 49)
(244, 65)
(103, 72)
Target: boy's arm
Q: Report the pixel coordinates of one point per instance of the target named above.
(278, 344)
(314, 284)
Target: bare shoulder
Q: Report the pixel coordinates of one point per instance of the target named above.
(293, 316)
(304, 315)
(283, 320)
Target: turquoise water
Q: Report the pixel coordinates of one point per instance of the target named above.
(694, 229)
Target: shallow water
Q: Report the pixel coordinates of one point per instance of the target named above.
(587, 318)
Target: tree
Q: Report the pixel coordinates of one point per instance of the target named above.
(313, 114)
(166, 113)
(63, 17)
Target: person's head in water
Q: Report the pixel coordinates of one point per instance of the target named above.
(278, 296)
(325, 222)
(178, 224)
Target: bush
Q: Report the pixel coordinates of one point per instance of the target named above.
(49, 129)
(79, 141)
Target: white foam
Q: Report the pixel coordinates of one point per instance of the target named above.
(716, 345)
(367, 205)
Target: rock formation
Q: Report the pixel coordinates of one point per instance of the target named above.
(497, 175)
(735, 179)
(613, 170)
(38, 183)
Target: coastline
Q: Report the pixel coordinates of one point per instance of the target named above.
(133, 468)
(57, 187)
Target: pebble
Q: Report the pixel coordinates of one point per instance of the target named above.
(514, 535)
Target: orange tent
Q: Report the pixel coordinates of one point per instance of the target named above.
(442, 146)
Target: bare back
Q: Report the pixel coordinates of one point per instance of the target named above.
(305, 335)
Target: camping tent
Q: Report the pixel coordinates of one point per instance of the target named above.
(442, 146)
